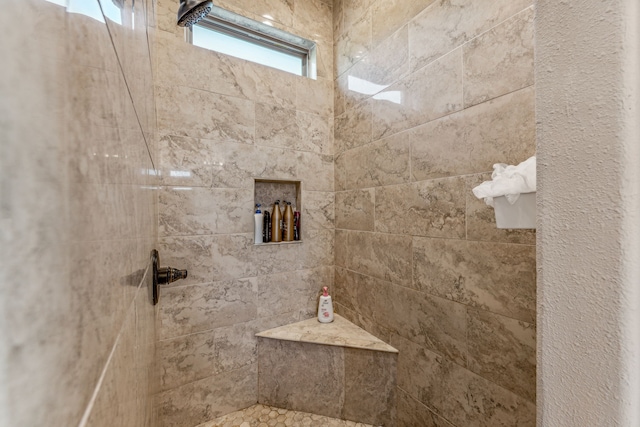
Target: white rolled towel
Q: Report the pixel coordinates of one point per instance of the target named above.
(509, 181)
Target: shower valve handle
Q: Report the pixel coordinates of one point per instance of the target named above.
(162, 276)
(168, 275)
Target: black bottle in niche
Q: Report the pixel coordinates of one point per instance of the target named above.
(296, 225)
(266, 227)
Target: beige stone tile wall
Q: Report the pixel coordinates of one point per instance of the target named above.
(340, 382)
(428, 95)
(223, 122)
(78, 214)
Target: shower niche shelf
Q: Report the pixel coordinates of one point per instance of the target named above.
(267, 191)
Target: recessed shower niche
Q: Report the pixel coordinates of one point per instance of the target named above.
(268, 191)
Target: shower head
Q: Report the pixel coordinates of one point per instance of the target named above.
(191, 11)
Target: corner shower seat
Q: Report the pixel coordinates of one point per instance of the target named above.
(334, 369)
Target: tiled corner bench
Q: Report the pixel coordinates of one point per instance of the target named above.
(334, 369)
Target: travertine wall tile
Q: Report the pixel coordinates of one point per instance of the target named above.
(440, 148)
(448, 24)
(431, 92)
(315, 250)
(292, 291)
(491, 404)
(353, 128)
(276, 126)
(193, 308)
(433, 379)
(284, 363)
(455, 393)
(206, 115)
(185, 359)
(275, 87)
(185, 161)
(390, 15)
(384, 65)
(353, 384)
(362, 294)
(353, 10)
(369, 386)
(189, 211)
(236, 165)
(433, 322)
(504, 351)
(384, 162)
(233, 256)
(315, 133)
(385, 256)
(315, 170)
(413, 413)
(341, 247)
(208, 398)
(363, 322)
(499, 61)
(193, 253)
(429, 208)
(508, 118)
(493, 276)
(314, 96)
(318, 210)
(314, 19)
(355, 210)
(182, 64)
(353, 44)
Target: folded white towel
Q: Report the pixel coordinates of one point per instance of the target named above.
(509, 181)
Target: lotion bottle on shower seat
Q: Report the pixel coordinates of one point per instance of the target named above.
(325, 307)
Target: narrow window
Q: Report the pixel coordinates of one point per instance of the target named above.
(232, 34)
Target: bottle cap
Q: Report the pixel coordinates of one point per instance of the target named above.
(258, 208)
(325, 292)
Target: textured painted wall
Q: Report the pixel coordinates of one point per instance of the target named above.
(77, 214)
(223, 122)
(587, 111)
(428, 95)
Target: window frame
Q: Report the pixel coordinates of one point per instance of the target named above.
(260, 34)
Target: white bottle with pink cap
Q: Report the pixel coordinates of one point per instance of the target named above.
(325, 307)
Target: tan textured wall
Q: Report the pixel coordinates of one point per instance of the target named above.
(77, 215)
(223, 122)
(588, 208)
(428, 95)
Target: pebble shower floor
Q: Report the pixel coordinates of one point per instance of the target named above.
(268, 416)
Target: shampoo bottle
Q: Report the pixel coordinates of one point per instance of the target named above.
(258, 223)
(276, 223)
(325, 307)
(287, 223)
